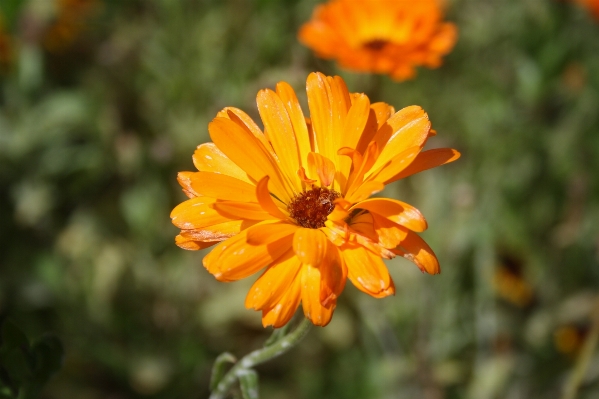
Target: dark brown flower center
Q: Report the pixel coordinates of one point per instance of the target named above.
(311, 208)
(375, 45)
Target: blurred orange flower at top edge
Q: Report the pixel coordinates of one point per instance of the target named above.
(383, 36)
(294, 199)
(591, 5)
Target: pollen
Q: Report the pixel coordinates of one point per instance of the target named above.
(311, 208)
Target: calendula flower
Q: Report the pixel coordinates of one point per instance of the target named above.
(381, 36)
(591, 5)
(294, 199)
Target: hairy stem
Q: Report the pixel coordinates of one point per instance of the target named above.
(260, 356)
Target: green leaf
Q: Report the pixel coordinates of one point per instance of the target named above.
(13, 337)
(248, 381)
(218, 369)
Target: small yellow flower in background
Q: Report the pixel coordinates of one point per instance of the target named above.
(294, 199)
(380, 36)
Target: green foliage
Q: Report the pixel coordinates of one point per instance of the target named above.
(92, 136)
(25, 369)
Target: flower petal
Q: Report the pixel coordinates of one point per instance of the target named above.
(247, 123)
(333, 276)
(264, 233)
(265, 199)
(279, 131)
(322, 167)
(280, 313)
(235, 259)
(218, 232)
(184, 179)
(367, 271)
(190, 244)
(241, 210)
(389, 234)
(208, 158)
(396, 211)
(427, 160)
(328, 100)
(310, 246)
(397, 164)
(313, 309)
(354, 125)
(416, 250)
(248, 153)
(409, 127)
(223, 187)
(274, 283)
(365, 190)
(287, 95)
(197, 213)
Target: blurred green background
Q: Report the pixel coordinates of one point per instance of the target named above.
(103, 101)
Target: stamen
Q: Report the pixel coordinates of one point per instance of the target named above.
(311, 208)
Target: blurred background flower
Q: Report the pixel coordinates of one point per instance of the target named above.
(384, 36)
(92, 137)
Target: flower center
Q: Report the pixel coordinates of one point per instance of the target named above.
(311, 208)
(376, 44)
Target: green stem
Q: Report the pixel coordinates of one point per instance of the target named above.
(260, 356)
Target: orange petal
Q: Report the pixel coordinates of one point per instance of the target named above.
(397, 164)
(396, 211)
(310, 246)
(246, 151)
(367, 271)
(274, 283)
(241, 210)
(197, 213)
(313, 309)
(266, 201)
(333, 276)
(279, 131)
(389, 234)
(321, 114)
(302, 174)
(218, 232)
(208, 158)
(223, 187)
(184, 179)
(235, 259)
(365, 190)
(191, 245)
(264, 233)
(280, 313)
(287, 95)
(247, 123)
(427, 160)
(355, 123)
(416, 250)
(409, 127)
(322, 167)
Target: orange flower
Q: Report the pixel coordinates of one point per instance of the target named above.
(383, 36)
(294, 199)
(591, 5)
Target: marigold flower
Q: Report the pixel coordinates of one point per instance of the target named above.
(591, 5)
(294, 199)
(383, 36)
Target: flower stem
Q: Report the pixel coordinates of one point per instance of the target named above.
(260, 356)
